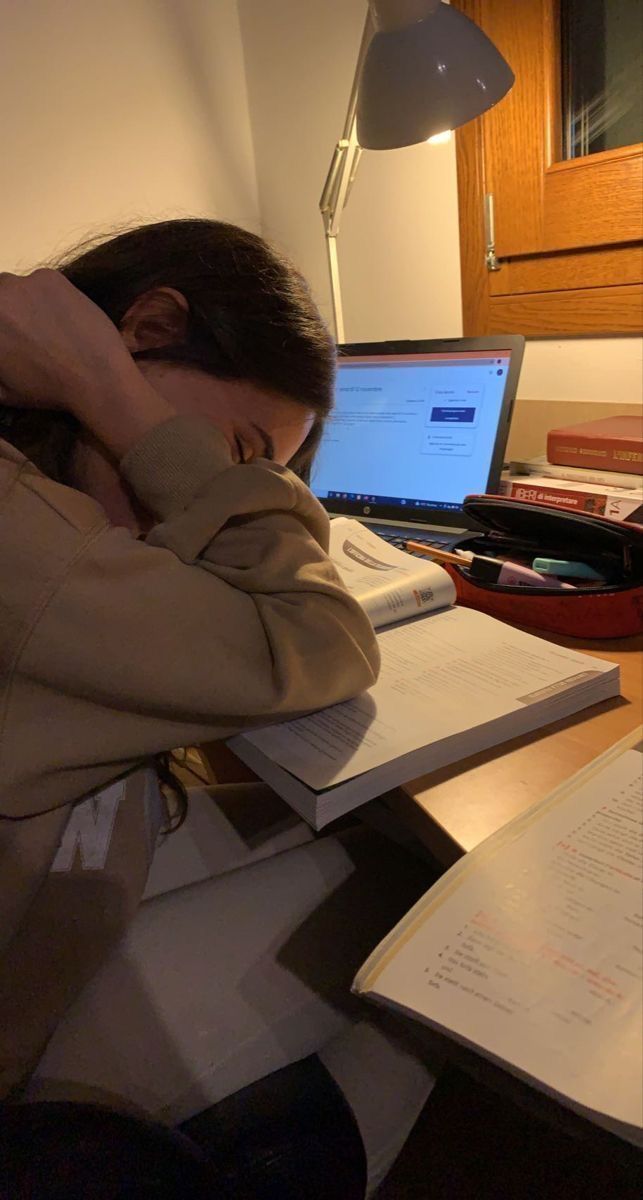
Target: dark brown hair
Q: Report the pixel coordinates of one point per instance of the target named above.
(251, 317)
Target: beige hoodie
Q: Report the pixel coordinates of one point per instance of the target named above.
(112, 650)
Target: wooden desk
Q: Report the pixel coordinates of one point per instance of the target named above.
(454, 809)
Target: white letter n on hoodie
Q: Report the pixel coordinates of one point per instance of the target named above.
(89, 830)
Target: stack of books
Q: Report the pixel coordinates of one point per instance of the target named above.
(594, 467)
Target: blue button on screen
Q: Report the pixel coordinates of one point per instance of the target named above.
(463, 416)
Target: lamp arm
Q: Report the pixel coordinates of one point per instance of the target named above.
(339, 181)
(341, 174)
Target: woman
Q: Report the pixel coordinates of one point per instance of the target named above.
(164, 582)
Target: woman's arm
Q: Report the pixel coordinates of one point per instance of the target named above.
(230, 615)
(234, 616)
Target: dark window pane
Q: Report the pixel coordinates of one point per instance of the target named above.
(602, 68)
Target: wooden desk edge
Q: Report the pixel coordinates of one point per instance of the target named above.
(452, 810)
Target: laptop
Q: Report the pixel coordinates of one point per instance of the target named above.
(417, 426)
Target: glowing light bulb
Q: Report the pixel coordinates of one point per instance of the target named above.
(439, 139)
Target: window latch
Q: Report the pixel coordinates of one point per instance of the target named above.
(491, 261)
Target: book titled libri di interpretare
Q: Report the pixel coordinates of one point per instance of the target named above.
(619, 503)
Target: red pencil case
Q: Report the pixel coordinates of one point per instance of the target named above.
(523, 530)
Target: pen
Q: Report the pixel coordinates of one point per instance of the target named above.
(491, 570)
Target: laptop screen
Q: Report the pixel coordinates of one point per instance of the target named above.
(414, 432)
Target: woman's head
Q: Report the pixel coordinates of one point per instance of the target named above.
(219, 322)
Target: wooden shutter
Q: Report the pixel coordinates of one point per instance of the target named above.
(567, 235)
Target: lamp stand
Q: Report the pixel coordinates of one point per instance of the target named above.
(341, 174)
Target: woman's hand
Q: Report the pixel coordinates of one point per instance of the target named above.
(59, 350)
(55, 344)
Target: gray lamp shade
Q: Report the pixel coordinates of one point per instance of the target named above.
(431, 76)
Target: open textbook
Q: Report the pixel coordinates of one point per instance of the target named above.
(454, 681)
(528, 950)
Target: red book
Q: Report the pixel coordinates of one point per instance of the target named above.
(612, 444)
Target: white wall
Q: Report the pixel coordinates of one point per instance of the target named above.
(116, 111)
(398, 247)
(594, 370)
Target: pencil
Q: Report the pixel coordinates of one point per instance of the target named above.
(439, 555)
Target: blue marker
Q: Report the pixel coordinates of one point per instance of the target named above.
(561, 566)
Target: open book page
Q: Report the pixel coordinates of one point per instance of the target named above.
(388, 583)
(442, 674)
(530, 948)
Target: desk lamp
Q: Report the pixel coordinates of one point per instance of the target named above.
(423, 68)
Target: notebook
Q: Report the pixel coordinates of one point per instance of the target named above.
(417, 426)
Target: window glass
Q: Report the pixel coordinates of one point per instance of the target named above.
(602, 75)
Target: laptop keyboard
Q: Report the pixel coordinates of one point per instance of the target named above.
(428, 538)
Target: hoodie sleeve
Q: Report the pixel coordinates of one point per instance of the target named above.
(229, 615)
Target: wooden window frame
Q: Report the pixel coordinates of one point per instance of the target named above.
(570, 259)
